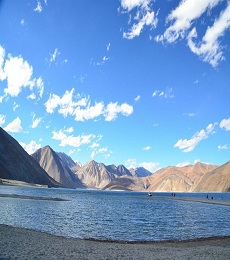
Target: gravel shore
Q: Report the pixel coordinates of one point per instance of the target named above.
(19, 243)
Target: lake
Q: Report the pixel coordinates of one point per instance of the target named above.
(115, 215)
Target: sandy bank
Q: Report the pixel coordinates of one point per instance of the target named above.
(17, 243)
(21, 183)
(208, 201)
(15, 196)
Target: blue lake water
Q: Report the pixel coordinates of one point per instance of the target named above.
(115, 215)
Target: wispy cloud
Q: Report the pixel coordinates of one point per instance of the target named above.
(188, 145)
(223, 147)
(2, 119)
(183, 18)
(35, 121)
(54, 55)
(209, 48)
(15, 106)
(167, 94)
(189, 114)
(147, 148)
(38, 7)
(136, 99)
(144, 17)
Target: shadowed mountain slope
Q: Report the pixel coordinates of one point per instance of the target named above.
(17, 164)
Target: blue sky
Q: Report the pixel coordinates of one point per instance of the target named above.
(133, 82)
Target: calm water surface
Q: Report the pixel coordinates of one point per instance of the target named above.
(126, 216)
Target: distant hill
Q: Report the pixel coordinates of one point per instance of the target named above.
(46, 167)
(95, 175)
(119, 170)
(56, 167)
(140, 172)
(216, 180)
(126, 182)
(174, 178)
(17, 164)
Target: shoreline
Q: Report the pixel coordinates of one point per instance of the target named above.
(21, 243)
(197, 200)
(16, 196)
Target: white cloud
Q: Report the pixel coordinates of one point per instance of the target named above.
(189, 114)
(82, 109)
(182, 164)
(128, 5)
(31, 147)
(137, 98)
(131, 163)
(148, 19)
(18, 74)
(70, 140)
(94, 145)
(147, 148)
(150, 166)
(102, 151)
(108, 46)
(65, 103)
(183, 16)
(187, 145)
(2, 119)
(113, 109)
(32, 96)
(54, 55)
(15, 106)
(105, 58)
(71, 152)
(38, 7)
(14, 126)
(69, 130)
(144, 16)
(223, 147)
(93, 154)
(90, 112)
(155, 93)
(36, 121)
(209, 49)
(167, 94)
(225, 123)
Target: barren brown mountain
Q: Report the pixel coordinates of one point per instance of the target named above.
(175, 178)
(95, 175)
(216, 180)
(52, 163)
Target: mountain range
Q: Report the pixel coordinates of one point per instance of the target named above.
(48, 167)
